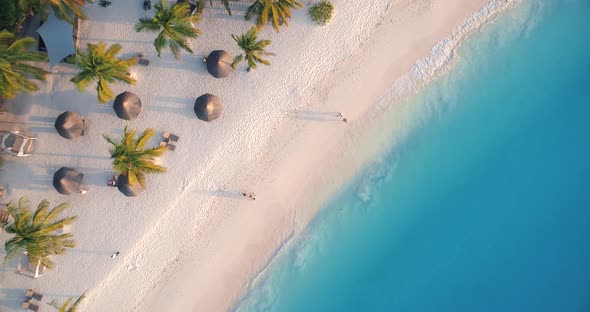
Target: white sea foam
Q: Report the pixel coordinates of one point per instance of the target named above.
(442, 55)
(439, 61)
(401, 120)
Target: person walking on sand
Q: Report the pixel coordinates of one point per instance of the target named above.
(339, 115)
(252, 196)
(115, 255)
(345, 120)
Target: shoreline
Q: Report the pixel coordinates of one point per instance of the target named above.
(190, 241)
(321, 187)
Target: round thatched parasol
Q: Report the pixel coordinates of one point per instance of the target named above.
(219, 64)
(70, 125)
(127, 105)
(67, 181)
(127, 189)
(208, 107)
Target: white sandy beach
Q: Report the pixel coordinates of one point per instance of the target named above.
(191, 242)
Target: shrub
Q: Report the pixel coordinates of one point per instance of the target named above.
(321, 12)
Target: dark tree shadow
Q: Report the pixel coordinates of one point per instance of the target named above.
(18, 175)
(11, 298)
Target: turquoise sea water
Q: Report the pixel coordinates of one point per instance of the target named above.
(484, 207)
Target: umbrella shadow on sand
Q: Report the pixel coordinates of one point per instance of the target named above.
(17, 174)
(11, 298)
(60, 101)
(179, 105)
(96, 176)
(90, 176)
(188, 62)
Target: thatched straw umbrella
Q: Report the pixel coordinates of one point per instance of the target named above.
(208, 107)
(67, 181)
(127, 105)
(127, 189)
(219, 64)
(70, 125)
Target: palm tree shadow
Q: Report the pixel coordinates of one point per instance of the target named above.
(11, 298)
(180, 105)
(10, 266)
(118, 11)
(97, 177)
(92, 176)
(68, 100)
(18, 175)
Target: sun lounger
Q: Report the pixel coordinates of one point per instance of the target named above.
(113, 182)
(30, 306)
(170, 137)
(16, 143)
(140, 58)
(31, 294)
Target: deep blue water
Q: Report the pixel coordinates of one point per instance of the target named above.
(484, 207)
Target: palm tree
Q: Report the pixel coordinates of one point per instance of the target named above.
(13, 71)
(278, 11)
(132, 159)
(35, 232)
(64, 306)
(11, 16)
(101, 64)
(176, 25)
(64, 9)
(253, 49)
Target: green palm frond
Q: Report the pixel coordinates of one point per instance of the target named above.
(99, 63)
(35, 232)
(14, 71)
(276, 11)
(176, 26)
(64, 9)
(253, 49)
(65, 306)
(132, 159)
